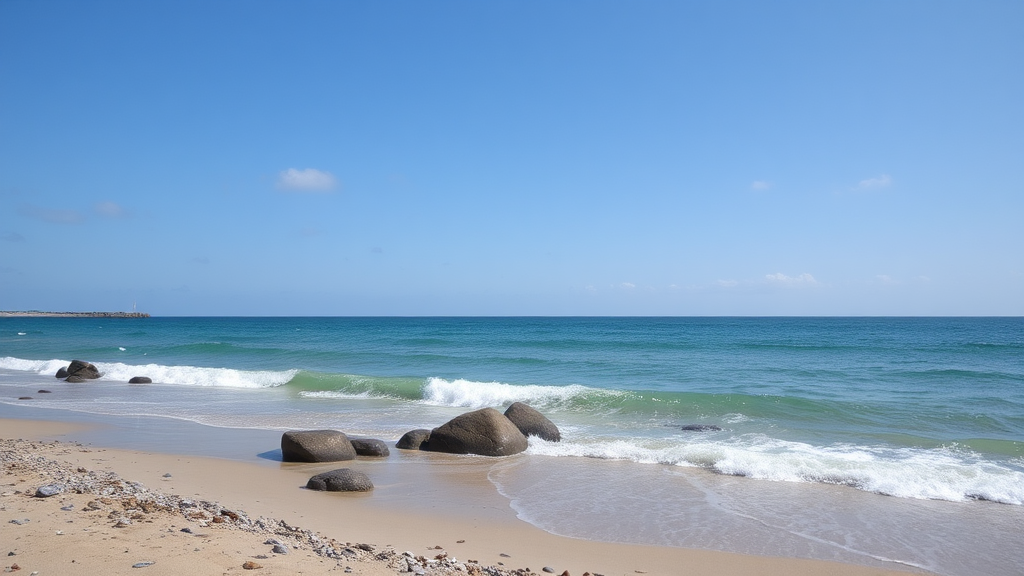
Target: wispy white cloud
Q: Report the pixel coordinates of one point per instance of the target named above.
(760, 185)
(728, 283)
(628, 285)
(53, 216)
(110, 210)
(781, 279)
(308, 180)
(882, 181)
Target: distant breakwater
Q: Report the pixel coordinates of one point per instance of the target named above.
(38, 314)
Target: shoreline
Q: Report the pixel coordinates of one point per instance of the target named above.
(39, 314)
(456, 508)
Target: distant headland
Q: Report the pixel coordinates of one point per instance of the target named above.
(37, 313)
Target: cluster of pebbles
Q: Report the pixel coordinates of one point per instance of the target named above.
(128, 502)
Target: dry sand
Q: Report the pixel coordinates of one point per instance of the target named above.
(172, 514)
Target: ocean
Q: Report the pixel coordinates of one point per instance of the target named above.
(880, 441)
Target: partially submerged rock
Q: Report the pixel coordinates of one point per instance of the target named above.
(701, 428)
(141, 380)
(341, 480)
(316, 446)
(532, 423)
(62, 373)
(486, 432)
(370, 447)
(413, 439)
(83, 369)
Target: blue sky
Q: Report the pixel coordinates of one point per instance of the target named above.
(513, 158)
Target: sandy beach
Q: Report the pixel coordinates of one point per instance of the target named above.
(173, 514)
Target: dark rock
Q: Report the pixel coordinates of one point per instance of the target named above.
(48, 490)
(370, 447)
(24, 397)
(280, 549)
(63, 373)
(486, 432)
(74, 379)
(42, 391)
(141, 380)
(532, 423)
(701, 428)
(83, 369)
(341, 480)
(413, 439)
(316, 446)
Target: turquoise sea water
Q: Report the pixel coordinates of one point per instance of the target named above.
(924, 412)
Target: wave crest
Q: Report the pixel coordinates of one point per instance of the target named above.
(180, 375)
(469, 394)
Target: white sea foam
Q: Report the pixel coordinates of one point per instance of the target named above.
(936, 474)
(181, 375)
(469, 394)
(48, 367)
(334, 394)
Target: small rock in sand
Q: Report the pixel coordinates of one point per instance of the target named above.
(280, 549)
(250, 565)
(48, 490)
(142, 564)
(548, 569)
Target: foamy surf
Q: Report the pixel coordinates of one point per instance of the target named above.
(179, 375)
(928, 474)
(469, 394)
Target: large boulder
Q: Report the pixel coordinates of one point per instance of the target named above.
(341, 480)
(316, 446)
(83, 370)
(532, 423)
(62, 373)
(370, 447)
(413, 439)
(485, 432)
